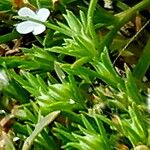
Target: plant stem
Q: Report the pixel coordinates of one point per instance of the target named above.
(57, 28)
(90, 25)
(143, 63)
(91, 9)
(128, 14)
(123, 18)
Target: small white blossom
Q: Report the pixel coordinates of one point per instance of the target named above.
(31, 26)
(71, 101)
(16, 139)
(2, 112)
(108, 4)
(3, 79)
(148, 102)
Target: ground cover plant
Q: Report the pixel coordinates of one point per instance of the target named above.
(74, 74)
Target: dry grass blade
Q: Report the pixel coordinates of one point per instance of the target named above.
(39, 127)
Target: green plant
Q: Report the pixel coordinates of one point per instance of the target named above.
(80, 84)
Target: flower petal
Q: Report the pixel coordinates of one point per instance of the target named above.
(26, 12)
(39, 29)
(43, 14)
(25, 27)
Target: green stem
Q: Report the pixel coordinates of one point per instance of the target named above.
(141, 6)
(143, 63)
(91, 9)
(123, 18)
(130, 13)
(90, 25)
(57, 28)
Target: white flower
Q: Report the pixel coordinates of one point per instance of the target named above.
(108, 4)
(71, 101)
(3, 79)
(148, 102)
(31, 26)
